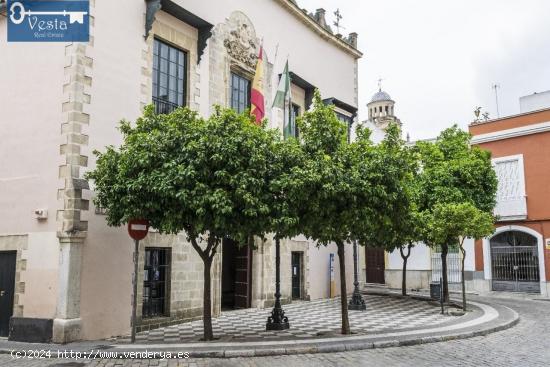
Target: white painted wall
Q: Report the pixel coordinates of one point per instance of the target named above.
(420, 258)
(40, 275)
(319, 273)
(534, 102)
(377, 134)
(30, 125)
(107, 252)
(470, 262)
(310, 56)
(30, 133)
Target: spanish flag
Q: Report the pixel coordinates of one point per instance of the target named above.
(257, 94)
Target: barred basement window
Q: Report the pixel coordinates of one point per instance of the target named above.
(169, 77)
(156, 282)
(240, 93)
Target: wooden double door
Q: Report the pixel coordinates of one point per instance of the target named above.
(375, 265)
(236, 275)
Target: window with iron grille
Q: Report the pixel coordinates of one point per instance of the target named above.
(240, 93)
(169, 77)
(156, 282)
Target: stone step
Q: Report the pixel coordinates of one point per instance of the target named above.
(376, 285)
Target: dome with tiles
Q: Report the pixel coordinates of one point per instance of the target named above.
(380, 96)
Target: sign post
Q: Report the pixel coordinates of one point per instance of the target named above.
(137, 229)
(332, 283)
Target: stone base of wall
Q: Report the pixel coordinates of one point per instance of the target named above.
(30, 330)
(475, 282)
(416, 279)
(66, 330)
(177, 318)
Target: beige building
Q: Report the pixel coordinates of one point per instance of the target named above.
(66, 274)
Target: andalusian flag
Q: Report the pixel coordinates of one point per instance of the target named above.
(257, 94)
(283, 100)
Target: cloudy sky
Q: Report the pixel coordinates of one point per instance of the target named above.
(439, 59)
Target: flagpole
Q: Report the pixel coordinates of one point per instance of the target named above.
(288, 116)
(289, 97)
(275, 58)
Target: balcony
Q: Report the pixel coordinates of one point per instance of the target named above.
(163, 106)
(511, 197)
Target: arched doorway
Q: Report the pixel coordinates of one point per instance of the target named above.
(515, 262)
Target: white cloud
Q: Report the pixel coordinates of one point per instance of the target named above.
(440, 58)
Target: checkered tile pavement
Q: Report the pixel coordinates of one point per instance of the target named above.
(307, 320)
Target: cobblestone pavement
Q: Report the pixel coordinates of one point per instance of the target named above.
(384, 313)
(526, 344)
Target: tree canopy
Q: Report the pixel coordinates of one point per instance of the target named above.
(397, 223)
(350, 190)
(207, 177)
(452, 173)
(395, 209)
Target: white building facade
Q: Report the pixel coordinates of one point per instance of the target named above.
(71, 272)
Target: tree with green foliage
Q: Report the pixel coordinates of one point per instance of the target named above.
(396, 224)
(325, 192)
(453, 172)
(345, 187)
(456, 222)
(286, 160)
(206, 177)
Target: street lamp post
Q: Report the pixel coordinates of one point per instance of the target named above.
(277, 320)
(356, 302)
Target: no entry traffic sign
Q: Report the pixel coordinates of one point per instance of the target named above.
(138, 229)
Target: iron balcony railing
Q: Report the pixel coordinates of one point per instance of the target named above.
(163, 106)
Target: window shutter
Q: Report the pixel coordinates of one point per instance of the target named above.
(511, 200)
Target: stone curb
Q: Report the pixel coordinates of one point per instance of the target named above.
(342, 345)
(419, 297)
(357, 345)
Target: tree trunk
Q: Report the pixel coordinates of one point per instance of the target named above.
(404, 280)
(207, 256)
(343, 289)
(404, 275)
(207, 301)
(463, 280)
(444, 252)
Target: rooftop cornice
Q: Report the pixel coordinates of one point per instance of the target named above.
(295, 10)
(478, 123)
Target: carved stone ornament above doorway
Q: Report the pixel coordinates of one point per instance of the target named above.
(240, 41)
